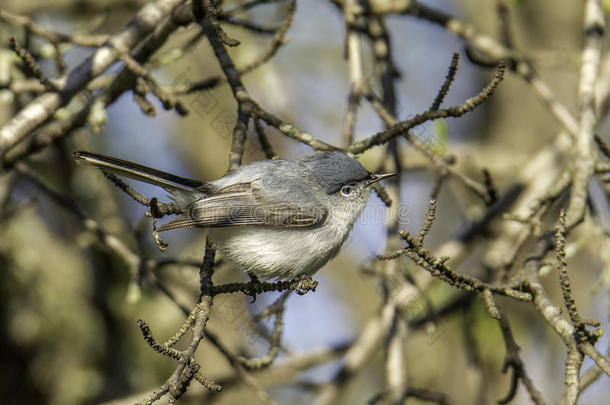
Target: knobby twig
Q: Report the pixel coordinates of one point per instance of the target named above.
(403, 127)
(32, 66)
(437, 267)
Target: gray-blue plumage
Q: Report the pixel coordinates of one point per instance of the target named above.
(332, 170)
(278, 218)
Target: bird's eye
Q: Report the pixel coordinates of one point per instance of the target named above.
(347, 190)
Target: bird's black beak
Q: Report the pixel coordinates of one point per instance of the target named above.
(378, 177)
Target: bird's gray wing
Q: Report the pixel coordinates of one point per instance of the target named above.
(244, 204)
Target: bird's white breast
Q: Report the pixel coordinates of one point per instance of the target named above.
(284, 253)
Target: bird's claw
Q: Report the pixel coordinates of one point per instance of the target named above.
(304, 284)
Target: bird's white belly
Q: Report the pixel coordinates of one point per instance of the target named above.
(276, 253)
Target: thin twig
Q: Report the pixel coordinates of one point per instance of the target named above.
(403, 127)
(32, 66)
(442, 93)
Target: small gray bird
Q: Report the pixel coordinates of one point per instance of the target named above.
(279, 218)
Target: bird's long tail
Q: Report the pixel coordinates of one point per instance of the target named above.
(138, 172)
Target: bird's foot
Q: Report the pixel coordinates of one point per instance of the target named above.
(158, 241)
(303, 284)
